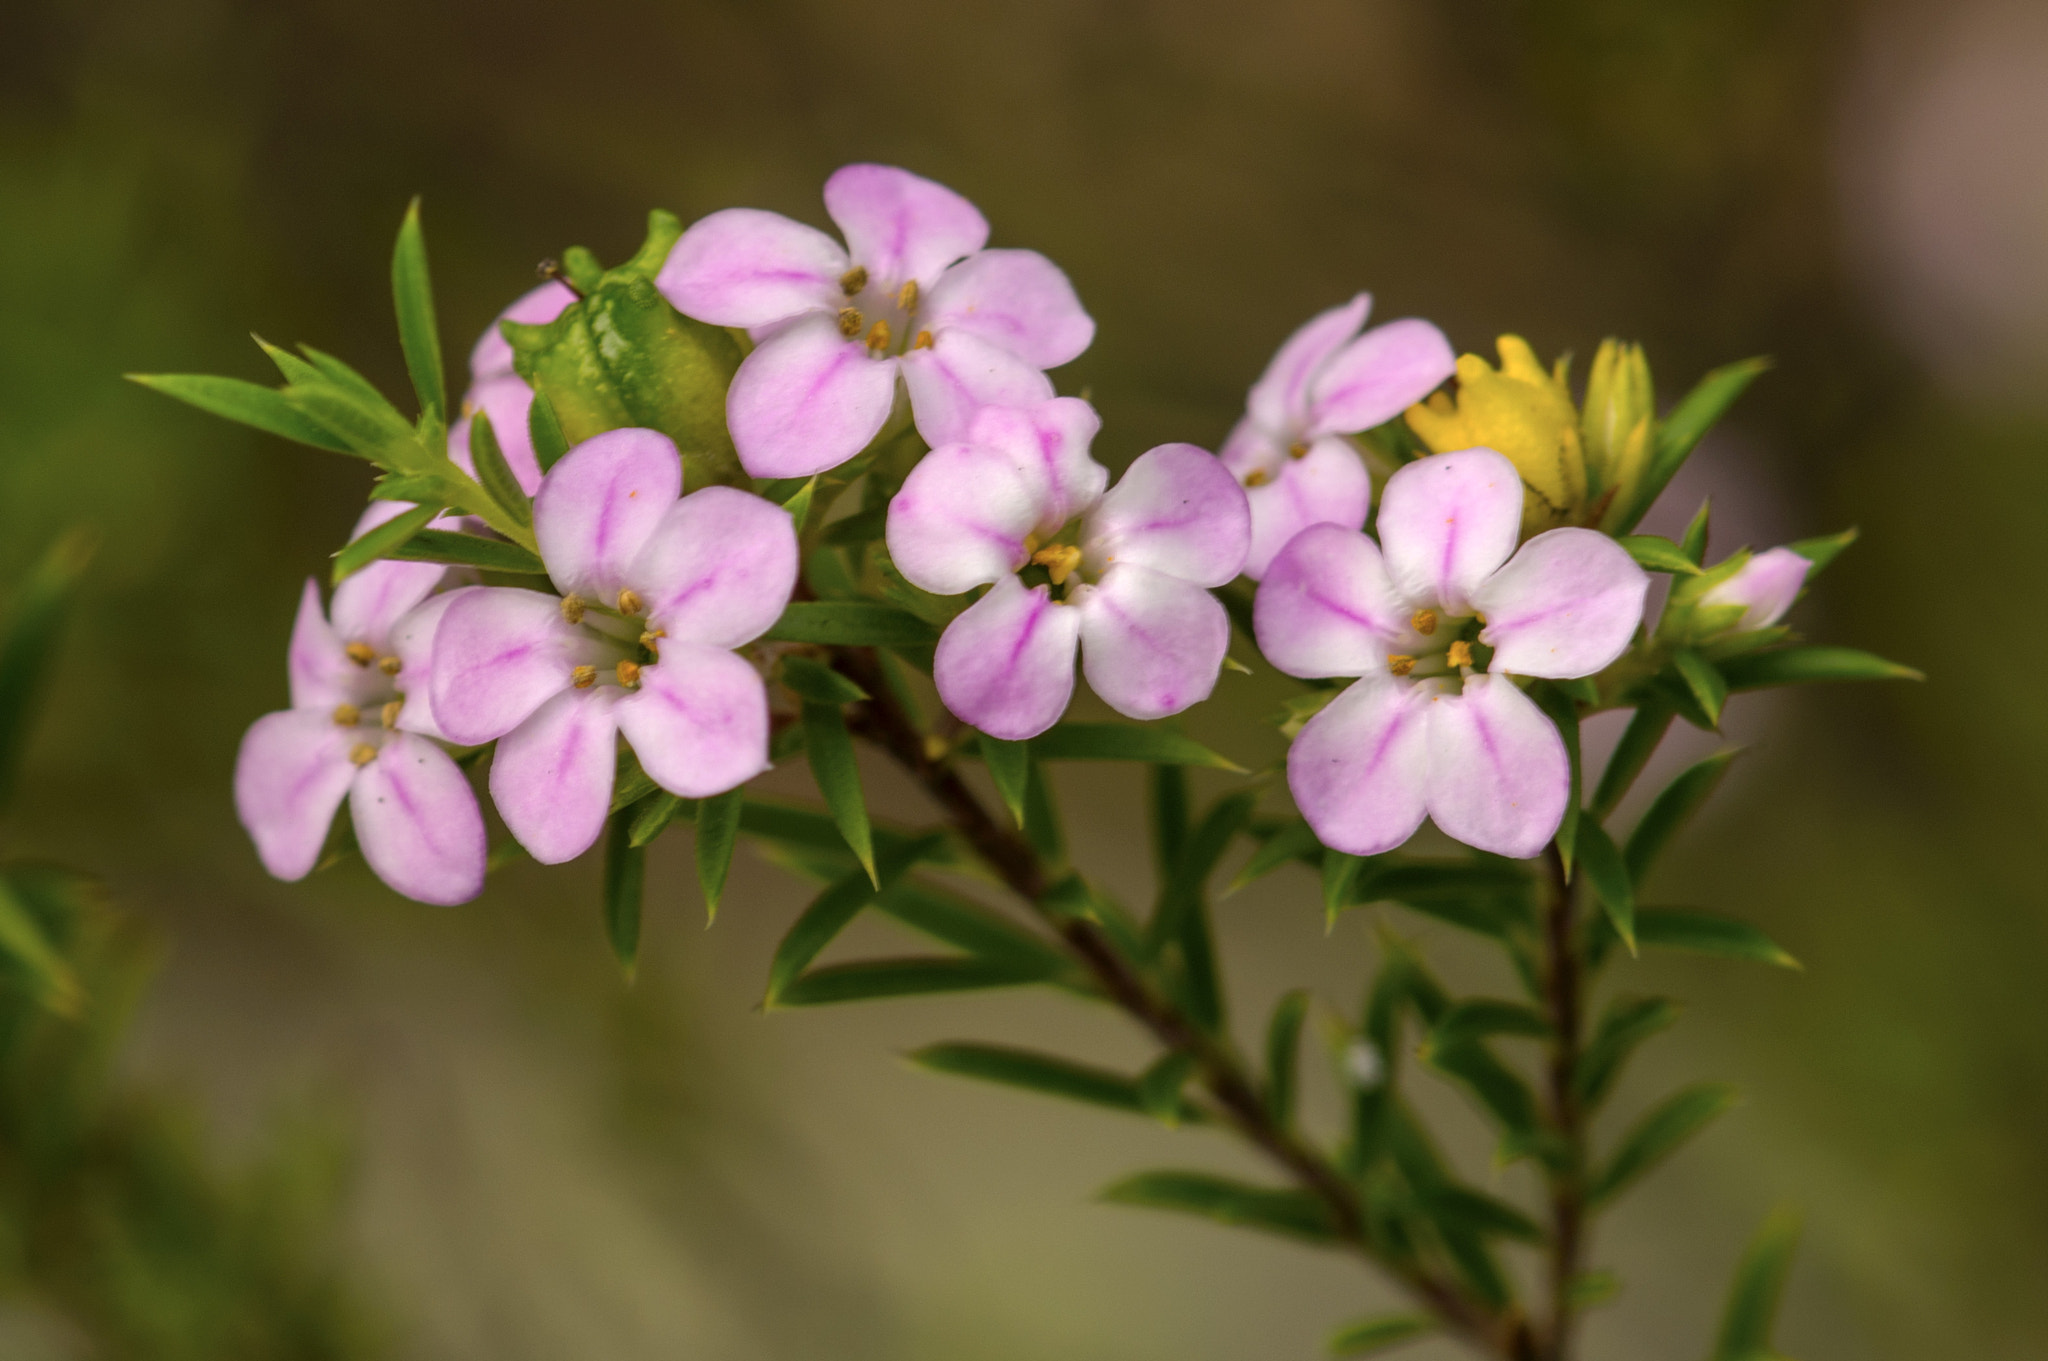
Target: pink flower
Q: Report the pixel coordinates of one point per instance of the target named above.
(499, 392)
(656, 592)
(1432, 726)
(912, 291)
(1327, 381)
(1121, 575)
(1765, 587)
(354, 732)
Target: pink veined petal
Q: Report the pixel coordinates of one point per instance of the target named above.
(492, 357)
(1151, 644)
(957, 375)
(746, 267)
(1447, 522)
(718, 569)
(418, 824)
(902, 226)
(1053, 438)
(1378, 376)
(1498, 776)
(1279, 400)
(1327, 608)
(1359, 770)
(507, 401)
(412, 642)
(1251, 448)
(322, 675)
(1006, 664)
(1326, 486)
(1175, 510)
(699, 721)
(1566, 605)
(368, 602)
(1016, 299)
(961, 517)
(499, 654)
(1766, 586)
(552, 775)
(807, 399)
(290, 776)
(599, 506)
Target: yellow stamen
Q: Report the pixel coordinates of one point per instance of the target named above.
(1423, 622)
(923, 342)
(849, 321)
(584, 677)
(1059, 561)
(853, 281)
(347, 715)
(934, 746)
(1400, 664)
(1460, 653)
(362, 654)
(390, 666)
(1257, 477)
(647, 639)
(630, 602)
(572, 608)
(629, 674)
(878, 337)
(362, 753)
(907, 298)
(390, 714)
(1297, 450)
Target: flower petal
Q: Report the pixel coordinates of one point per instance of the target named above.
(1051, 439)
(552, 775)
(1279, 400)
(499, 654)
(902, 226)
(1359, 769)
(1566, 605)
(1251, 448)
(1151, 644)
(369, 601)
(599, 506)
(1498, 777)
(699, 721)
(1378, 376)
(718, 569)
(1016, 299)
(961, 517)
(492, 357)
(418, 824)
(1766, 585)
(412, 642)
(322, 675)
(1006, 664)
(1326, 486)
(506, 401)
(957, 375)
(290, 776)
(1175, 510)
(1447, 522)
(746, 267)
(807, 399)
(1327, 608)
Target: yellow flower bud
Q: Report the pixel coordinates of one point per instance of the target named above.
(1526, 414)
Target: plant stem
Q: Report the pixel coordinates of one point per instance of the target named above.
(1234, 1093)
(1562, 982)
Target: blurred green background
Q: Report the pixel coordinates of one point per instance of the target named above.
(548, 1164)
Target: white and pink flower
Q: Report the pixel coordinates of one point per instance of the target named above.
(498, 391)
(1765, 587)
(1433, 726)
(912, 292)
(1126, 571)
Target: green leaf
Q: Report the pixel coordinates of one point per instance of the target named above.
(1292, 841)
(1482, 1018)
(382, 541)
(1491, 897)
(625, 876)
(413, 293)
(819, 683)
(23, 940)
(1296, 1214)
(630, 783)
(468, 550)
(850, 623)
(1159, 1087)
(1659, 554)
(1183, 915)
(1821, 551)
(1759, 1284)
(372, 430)
(979, 930)
(1461, 1208)
(1680, 432)
(830, 748)
(1671, 809)
(1125, 742)
(834, 909)
(1796, 665)
(1658, 1135)
(1377, 1334)
(1340, 878)
(1043, 1074)
(1626, 1023)
(549, 443)
(1706, 685)
(252, 404)
(1042, 827)
(1563, 712)
(493, 474)
(652, 818)
(365, 392)
(1009, 765)
(29, 647)
(1591, 1289)
(1169, 819)
(718, 831)
(1646, 728)
(1283, 1055)
(870, 980)
(1608, 872)
(1498, 1088)
(1701, 933)
(1695, 540)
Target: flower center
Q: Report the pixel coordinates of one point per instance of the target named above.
(1437, 644)
(881, 316)
(615, 643)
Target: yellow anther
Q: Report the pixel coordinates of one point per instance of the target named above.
(630, 602)
(362, 654)
(362, 753)
(906, 298)
(1481, 618)
(1423, 622)
(1297, 450)
(647, 639)
(1257, 477)
(584, 677)
(853, 281)
(390, 713)
(1460, 653)
(923, 342)
(934, 746)
(629, 674)
(878, 337)
(390, 666)
(1400, 664)
(850, 321)
(572, 608)
(1059, 561)
(347, 715)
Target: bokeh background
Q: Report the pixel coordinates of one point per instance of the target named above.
(549, 1164)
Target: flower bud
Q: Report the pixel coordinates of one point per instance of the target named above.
(1764, 587)
(1522, 412)
(1619, 414)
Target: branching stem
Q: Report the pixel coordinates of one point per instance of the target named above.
(1562, 988)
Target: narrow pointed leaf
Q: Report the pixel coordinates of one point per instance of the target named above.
(1295, 1214)
(818, 683)
(957, 921)
(24, 941)
(413, 293)
(1009, 765)
(1709, 690)
(718, 831)
(1482, 1018)
(1702, 933)
(35, 623)
(1759, 1284)
(549, 443)
(1659, 554)
(851, 623)
(1608, 873)
(1170, 819)
(1340, 878)
(251, 404)
(1658, 1135)
(1043, 1074)
(1159, 1086)
(1042, 826)
(381, 541)
(493, 473)
(1294, 841)
(1498, 1088)
(1646, 728)
(625, 878)
(871, 980)
(1695, 540)
(1680, 431)
(1463, 1208)
(1563, 712)
(1821, 551)
(1283, 1055)
(348, 380)
(1801, 665)
(1371, 1335)
(830, 748)
(1125, 742)
(1671, 810)
(833, 910)
(652, 818)
(1625, 1024)
(468, 550)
